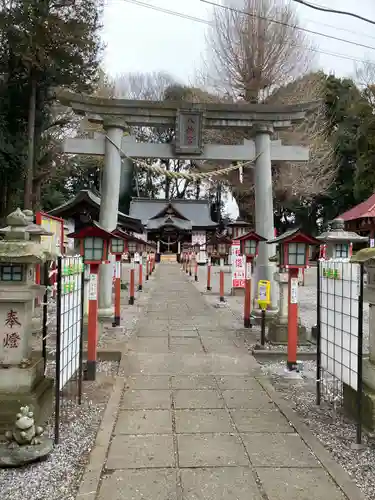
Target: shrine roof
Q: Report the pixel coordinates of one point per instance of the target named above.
(197, 212)
(239, 222)
(292, 235)
(366, 209)
(69, 209)
(169, 220)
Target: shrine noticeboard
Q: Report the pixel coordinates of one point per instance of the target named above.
(54, 225)
(238, 266)
(53, 243)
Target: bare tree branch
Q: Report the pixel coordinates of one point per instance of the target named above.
(249, 55)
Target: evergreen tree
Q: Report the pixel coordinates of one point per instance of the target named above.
(45, 44)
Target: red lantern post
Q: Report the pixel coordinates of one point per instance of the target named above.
(293, 255)
(118, 248)
(249, 248)
(94, 245)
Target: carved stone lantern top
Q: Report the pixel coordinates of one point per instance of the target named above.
(338, 234)
(20, 244)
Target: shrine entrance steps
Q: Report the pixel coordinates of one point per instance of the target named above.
(168, 257)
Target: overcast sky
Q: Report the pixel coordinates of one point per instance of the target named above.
(142, 39)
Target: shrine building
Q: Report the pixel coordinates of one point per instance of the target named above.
(85, 206)
(361, 218)
(171, 223)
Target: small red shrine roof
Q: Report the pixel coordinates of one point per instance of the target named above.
(366, 209)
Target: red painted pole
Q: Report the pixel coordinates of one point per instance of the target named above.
(247, 301)
(196, 271)
(222, 286)
(92, 327)
(209, 277)
(292, 319)
(190, 264)
(131, 287)
(140, 276)
(147, 264)
(117, 318)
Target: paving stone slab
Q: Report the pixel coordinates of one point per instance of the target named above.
(179, 332)
(148, 382)
(194, 382)
(204, 398)
(149, 344)
(260, 421)
(218, 331)
(236, 382)
(216, 344)
(298, 484)
(210, 450)
(145, 399)
(199, 421)
(185, 344)
(150, 332)
(142, 484)
(219, 483)
(243, 398)
(278, 450)
(144, 451)
(144, 422)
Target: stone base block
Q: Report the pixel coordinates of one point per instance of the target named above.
(101, 326)
(278, 332)
(36, 324)
(257, 315)
(39, 398)
(368, 405)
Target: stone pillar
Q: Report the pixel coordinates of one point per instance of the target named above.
(264, 211)
(125, 177)
(109, 207)
(278, 326)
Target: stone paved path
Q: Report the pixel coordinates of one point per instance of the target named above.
(194, 423)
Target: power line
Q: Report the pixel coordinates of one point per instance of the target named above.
(276, 21)
(167, 11)
(204, 21)
(333, 11)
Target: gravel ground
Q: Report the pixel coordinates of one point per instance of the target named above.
(58, 477)
(335, 431)
(284, 348)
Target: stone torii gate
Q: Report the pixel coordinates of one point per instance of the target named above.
(189, 121)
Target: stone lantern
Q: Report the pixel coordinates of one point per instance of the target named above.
(36, 233)
(337, 242)
(22, 379)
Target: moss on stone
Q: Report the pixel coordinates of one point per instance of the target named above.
(364, 255)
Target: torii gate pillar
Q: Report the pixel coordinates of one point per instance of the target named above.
(111, 180)
(264, 216)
